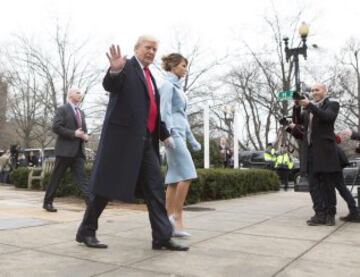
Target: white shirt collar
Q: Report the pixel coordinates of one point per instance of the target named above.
(73, 106)
(141, 65)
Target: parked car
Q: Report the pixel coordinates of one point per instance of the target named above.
(49, 153)
(351, 173)
(351, 177)
(255, 159)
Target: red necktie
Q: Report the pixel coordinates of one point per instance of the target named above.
(78, 117)
(151, 123)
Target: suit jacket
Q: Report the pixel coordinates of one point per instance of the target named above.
(119, 156)
(325, 154)
(64, 125)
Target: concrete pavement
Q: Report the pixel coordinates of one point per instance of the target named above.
(258, 235)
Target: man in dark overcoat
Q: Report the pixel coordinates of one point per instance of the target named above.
(128, 154)
(319, 158)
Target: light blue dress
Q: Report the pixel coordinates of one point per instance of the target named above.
(172, 108)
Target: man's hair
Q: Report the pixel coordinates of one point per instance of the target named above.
(71, 90)
(145, 38)
(323, 86)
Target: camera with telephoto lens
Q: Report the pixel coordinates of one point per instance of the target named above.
(303, 93)
(284, 121)
(299, 96)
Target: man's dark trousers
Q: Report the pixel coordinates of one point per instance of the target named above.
(322, 188)
(284, 176)
(77, 168)
(150, 180)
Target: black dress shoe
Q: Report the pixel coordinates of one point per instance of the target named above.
(90, 241)
(316, 220)
(351, 217)
(330, 220)
(169, 245)
(49, 207)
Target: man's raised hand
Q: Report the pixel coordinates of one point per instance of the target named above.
(117, 62)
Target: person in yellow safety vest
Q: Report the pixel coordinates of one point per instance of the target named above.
(283, 165)
(270, 156)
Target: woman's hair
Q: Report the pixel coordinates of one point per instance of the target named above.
(172, 60)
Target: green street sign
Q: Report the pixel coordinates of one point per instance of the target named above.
(285, 95)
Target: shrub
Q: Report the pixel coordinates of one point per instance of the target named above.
(198, 156)
(211, 184)
(217, 184)
(19, 177)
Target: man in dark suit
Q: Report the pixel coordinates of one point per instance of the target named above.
(319, 158)
(70, 127)
(128, 153)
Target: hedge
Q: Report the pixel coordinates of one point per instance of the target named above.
(211, 184)
(217, 184)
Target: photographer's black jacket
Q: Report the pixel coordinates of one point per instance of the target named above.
(323, 142)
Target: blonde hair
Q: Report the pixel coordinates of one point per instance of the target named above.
(145, 38)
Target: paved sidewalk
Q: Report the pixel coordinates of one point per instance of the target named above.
(259, 235)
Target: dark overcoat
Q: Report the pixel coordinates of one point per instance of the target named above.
(325, 155)
(64, 125)
(118, 160)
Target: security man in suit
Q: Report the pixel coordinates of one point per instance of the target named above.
(70, 126)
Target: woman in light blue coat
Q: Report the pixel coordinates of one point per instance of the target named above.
(181, 169)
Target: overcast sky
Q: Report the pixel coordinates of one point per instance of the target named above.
(216, 22)
(220, 25)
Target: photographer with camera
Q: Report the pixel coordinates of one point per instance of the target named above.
(319, 158)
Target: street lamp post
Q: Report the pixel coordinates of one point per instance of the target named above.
(295, 52)
(234, 110)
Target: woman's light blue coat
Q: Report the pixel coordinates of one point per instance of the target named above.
(173, 112)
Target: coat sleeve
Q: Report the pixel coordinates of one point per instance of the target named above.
(114, 82)
(297, 115)
(164, 133)
(328, 114)
(166, 93)
(189, 135)
(297, 132)
(59, 125)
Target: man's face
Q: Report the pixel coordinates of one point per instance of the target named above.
(146, 52)
(318, 92)
(75, 96)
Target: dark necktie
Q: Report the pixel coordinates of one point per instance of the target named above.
(151, 122)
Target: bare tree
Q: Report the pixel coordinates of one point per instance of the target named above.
(3, 108)
(23, 105)
(40, 76)
(256, 81)
(347, 83)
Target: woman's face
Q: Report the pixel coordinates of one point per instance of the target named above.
(180, 70)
